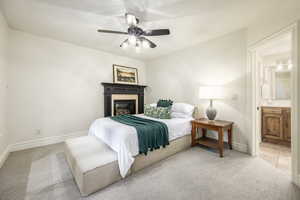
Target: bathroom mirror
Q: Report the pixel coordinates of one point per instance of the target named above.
(282, 85)
(276, 84)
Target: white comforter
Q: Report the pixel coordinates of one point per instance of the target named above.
(123, 138)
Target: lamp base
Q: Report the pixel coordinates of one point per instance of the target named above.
(211, 112)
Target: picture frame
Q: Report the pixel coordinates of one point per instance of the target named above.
(125, 75)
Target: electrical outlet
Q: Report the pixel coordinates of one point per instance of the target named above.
(38, 132)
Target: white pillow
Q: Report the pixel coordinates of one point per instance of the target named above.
(179, 115)
(153, 104)
(183, 108)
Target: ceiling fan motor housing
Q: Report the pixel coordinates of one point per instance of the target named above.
(136, 31)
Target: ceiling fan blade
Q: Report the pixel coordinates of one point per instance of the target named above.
(109, 31)
(151, 44)
(156, 32)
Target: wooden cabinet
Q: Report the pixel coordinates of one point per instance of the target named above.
(276, 125)
(287, 124)
(272, 126)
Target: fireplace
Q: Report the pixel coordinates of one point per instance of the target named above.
(122, 104)
(123, 107)
(123, 99)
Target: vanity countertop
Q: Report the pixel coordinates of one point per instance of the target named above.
(276, 106)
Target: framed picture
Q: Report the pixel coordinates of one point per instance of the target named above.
(125, 75)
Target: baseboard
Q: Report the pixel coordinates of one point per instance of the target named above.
(44, 141)
(298, 183)
(240, 147)
(4, 156)
(57, 139)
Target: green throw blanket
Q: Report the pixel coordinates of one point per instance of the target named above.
(151, 134)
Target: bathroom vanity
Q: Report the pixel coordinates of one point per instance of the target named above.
(276, 125)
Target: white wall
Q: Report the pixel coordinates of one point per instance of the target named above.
(55, 86)
(3, 85)
(221, 61)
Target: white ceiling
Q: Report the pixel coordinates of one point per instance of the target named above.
(190, 21)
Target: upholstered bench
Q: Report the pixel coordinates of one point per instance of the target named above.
(94, 165)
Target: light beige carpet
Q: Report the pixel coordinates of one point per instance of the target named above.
(43, 174)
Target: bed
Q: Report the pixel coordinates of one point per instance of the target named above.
(123, 138)
(110, 152)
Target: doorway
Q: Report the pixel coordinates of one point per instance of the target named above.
(273, 63)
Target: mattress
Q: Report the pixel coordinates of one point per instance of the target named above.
(123, 138)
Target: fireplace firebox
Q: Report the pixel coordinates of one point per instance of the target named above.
(123, 107)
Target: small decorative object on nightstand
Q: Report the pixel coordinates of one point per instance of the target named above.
(217, 125)
(198, 112)
(211, 93)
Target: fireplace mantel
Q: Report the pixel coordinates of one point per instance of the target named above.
(115, 88)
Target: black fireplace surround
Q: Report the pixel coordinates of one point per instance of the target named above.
(115, 88)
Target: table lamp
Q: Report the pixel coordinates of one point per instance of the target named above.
(211, 93)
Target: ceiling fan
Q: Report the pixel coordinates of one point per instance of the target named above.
(136, 34)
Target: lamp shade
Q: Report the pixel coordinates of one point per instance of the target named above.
(211, 92)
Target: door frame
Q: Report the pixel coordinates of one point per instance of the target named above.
(255, 123)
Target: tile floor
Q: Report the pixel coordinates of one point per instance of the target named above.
(277, 155)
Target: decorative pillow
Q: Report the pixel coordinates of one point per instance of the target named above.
(153, 104)
(157, 112)
(183, 108)
(148, 110)
(164, 103)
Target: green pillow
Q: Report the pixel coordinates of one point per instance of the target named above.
(164, 103)
(158, 112)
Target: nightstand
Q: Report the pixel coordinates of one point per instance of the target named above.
(216, 125)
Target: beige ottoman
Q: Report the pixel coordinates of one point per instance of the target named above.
(94, 165)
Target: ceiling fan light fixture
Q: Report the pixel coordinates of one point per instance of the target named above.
(138, 46)
(146, 44)
(132, 39)
(138, 42)
(138, 49)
